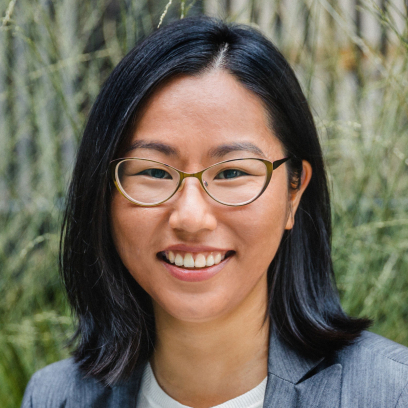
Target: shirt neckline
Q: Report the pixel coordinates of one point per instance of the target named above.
(155, 394)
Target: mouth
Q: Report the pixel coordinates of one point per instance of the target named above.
(194, 260)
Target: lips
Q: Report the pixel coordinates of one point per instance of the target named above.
(195, 259)
(194, 264)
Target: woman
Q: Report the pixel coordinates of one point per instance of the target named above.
(198, 278)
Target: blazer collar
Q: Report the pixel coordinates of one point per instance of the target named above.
(287, 363)
(294, 381)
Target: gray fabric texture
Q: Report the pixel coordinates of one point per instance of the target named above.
(371, 373)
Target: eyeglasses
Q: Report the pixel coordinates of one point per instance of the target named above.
(231, 182)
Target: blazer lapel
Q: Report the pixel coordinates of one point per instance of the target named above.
(322, 390)
(295, 381)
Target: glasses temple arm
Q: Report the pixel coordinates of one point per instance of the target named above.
(277, 163)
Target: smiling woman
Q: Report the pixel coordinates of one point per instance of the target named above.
(189, 226)
(196, 242)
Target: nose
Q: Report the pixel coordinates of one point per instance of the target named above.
(192, 208)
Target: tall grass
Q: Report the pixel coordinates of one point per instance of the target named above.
(54, 56)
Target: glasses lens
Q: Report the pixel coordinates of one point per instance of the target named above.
(236, 181)
(145, 181)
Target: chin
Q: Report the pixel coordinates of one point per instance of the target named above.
(194, 308)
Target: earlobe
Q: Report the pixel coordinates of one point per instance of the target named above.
(290, 221)
(297, 195)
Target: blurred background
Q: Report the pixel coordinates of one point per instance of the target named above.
(351, 57)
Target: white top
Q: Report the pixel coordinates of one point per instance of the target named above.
(152, 396)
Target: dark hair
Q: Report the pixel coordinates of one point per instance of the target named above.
(115, 329)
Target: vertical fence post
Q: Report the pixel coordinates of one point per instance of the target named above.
(383, 38)
(22, 116)
(4, 131)
(357, 49)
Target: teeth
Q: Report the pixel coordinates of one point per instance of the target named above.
(171, 256)
(210, 260)
(188, 260)
(200, 261)
(217, 258)
(179, 261)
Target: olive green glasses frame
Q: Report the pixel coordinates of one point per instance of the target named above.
(114, 169)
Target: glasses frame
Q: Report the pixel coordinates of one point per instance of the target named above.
(270, 166)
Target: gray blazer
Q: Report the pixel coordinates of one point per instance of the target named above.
(371, 373)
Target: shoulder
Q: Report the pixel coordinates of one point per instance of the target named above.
(373, 350)
(374, 368)
(59, 384)
(63, 384)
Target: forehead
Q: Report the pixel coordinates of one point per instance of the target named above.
(199, 113)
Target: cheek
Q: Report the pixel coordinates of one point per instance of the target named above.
(260, 231)
(123, 226)
(133, 233)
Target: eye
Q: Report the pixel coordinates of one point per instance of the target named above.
(230, 174)
(155, 173)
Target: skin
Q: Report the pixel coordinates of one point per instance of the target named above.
(212, 338)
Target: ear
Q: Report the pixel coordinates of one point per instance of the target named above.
(295, 196)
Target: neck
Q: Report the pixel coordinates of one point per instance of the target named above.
(206, 364)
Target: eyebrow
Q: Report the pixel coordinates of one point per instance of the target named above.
(223, 150)
(217, 152)
(158, 146)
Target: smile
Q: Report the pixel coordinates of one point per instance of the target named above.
(189, 266)
(196, 260)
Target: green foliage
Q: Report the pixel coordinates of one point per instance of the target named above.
(54, 57)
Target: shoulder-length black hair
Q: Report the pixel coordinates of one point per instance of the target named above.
(115, 329)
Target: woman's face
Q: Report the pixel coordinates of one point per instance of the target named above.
(182, 125)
